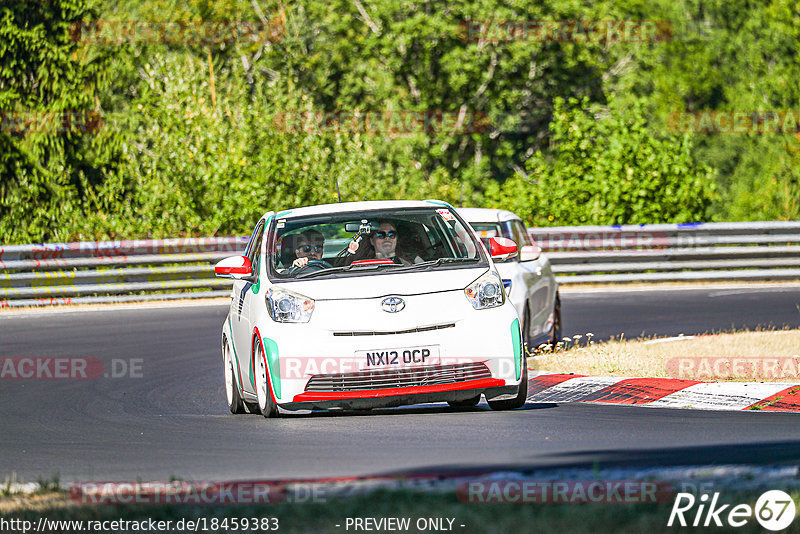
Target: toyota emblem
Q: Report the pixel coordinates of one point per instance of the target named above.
(393, 304)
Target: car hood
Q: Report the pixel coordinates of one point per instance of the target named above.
(378, 285)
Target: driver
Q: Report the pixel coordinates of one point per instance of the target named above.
(308, 247)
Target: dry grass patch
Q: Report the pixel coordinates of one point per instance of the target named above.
(35, 502)
(764, 356)
(566, 287)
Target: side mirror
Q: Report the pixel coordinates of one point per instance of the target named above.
(530, 253)
(502, 248)
(236, 267)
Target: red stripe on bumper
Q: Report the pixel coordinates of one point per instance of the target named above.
(639, 390)
(787, 400)
(394, 392)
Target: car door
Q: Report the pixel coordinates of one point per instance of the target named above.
(240, 310)
(538, 286)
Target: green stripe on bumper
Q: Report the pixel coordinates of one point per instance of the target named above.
(516, 340)
(271, 349)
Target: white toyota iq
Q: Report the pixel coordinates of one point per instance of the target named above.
(369, 304)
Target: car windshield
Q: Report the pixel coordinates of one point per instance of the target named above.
(376, 241)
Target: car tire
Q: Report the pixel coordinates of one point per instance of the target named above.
(466, 403)
(526, 328)
(234, 400)
(555, 337)
(519, 400)
(265, 403)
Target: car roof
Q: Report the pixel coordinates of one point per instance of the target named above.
(477, 215)
(359, 206)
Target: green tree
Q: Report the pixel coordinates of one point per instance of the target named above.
(197, 165)
(46, 171)
(410, 55)
(741, 56)
(606, 167)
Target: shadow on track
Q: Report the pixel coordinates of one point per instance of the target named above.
(417, 409)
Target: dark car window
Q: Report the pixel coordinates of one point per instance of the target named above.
(254, 248)
(432, 237)
(520, 234)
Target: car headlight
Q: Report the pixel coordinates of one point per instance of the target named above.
(486, 292)
(288, 307)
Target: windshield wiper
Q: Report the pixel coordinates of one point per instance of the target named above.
(395, 267)
(437, 262)
(329, 270)
(346, 268)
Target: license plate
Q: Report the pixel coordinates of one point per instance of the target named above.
(402, 357)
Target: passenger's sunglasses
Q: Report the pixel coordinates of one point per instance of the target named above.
(391, 234)
(309, 248)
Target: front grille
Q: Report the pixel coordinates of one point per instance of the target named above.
(399, 378)
(394, 332)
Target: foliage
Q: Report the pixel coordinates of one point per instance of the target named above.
(207, 162)
(573, 132)
(606, 167)
(743, 56)
(47, 176)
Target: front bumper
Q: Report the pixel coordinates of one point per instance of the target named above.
(331, 345)
(388, 398)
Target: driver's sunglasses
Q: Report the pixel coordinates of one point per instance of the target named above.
(309, 248)
(391, 234)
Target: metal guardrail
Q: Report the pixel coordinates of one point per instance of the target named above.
(114, 271)
(141, 270)
(673, 252)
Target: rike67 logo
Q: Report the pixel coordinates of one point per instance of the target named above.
(774, 510)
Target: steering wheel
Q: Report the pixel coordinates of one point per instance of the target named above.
(313, 265)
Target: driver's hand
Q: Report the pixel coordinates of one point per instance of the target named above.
(300, 262)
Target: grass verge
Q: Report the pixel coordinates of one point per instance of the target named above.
(771, 356)
(324, 517)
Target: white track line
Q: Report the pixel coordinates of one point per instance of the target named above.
(719, 396)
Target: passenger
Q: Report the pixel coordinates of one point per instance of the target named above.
(384, 242)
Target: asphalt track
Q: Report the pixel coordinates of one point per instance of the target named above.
(172, 421)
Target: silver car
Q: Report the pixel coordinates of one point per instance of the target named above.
(527, 277)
